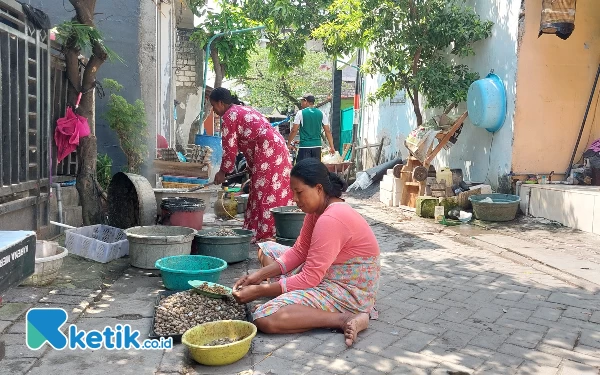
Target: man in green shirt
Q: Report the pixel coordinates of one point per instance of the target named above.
(309, 121)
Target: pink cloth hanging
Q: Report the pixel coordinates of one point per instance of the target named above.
(68, 131)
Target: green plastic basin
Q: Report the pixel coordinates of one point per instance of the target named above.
(177, 270)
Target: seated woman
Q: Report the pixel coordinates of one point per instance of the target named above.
(329, 278)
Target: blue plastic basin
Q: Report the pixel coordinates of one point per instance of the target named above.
(177, 270)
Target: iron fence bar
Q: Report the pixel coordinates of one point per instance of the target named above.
(1, 114)
(14, 111)
(7, 105)
(38, 141)
(48, 155)
(25, 116)
(15, 32)
(23, 99)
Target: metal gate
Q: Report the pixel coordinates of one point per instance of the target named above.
(24, 111)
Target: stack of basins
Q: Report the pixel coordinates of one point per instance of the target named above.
(288, 223)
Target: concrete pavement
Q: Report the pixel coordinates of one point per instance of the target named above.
(445, 305)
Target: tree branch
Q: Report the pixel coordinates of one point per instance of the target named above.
(84, 9)
(415, 95)
(218, 67)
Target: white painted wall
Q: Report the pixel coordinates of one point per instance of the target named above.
(481, 155)
(166, 30)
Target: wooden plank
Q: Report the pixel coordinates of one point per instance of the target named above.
(379, 151)
(346, 150)
(180, 169)
(445, 140)
(370, 153)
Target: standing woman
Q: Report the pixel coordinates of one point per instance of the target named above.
(246, 130)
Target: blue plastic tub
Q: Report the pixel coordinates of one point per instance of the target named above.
(177, 270)
(215, 144)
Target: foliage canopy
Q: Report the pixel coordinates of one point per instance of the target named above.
(269, 88)
(410, 42)
(233, 50)
(129, 122)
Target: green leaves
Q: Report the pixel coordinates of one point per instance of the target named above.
(410, 42)
(268, 87)
(82, 37)
(233, 49)
(129, 122)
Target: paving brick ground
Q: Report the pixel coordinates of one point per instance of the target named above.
(444, 306)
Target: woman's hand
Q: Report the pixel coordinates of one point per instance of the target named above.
(219, 178)
(252, 279)
(247, 293)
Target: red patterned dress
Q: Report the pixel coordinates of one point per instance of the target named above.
(246, 130)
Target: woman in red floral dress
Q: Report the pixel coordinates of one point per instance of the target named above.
(246, 130)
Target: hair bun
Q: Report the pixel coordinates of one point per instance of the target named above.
(338, 185)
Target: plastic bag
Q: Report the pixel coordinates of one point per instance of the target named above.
(332, 159)
(419, 142)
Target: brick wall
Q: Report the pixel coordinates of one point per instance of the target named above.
(185, 66)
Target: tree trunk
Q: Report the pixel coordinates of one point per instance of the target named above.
(219, 68)
(415, 95)
(87, 151)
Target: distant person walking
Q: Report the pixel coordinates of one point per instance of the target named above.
(309, 121)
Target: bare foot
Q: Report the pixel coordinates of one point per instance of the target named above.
(353, 324)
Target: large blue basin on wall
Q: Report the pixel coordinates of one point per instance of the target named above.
(486, 103)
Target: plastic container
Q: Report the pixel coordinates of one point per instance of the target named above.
(151, 243)
(48, 261)
(182, 211)
(503, 207)
(288, 221)
(444, 174)
(486, 103)
(217, 151)
(196, 339)
(285, 241)
(205, 194)
(101, 243)
(177, 270)
(231, 249)
(242, 203)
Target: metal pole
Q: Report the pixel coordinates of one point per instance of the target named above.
(206, 55)
(587, 109)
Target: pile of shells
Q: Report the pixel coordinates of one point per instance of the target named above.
(223, 232)
(181, 311)
(216, 289)
(223, 341)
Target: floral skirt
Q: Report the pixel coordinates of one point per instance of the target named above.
(348, 287)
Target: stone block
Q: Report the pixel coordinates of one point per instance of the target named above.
(561, 338)
(547, 313)
(12, 311)
(389, 198)
(525, 339)
(391, 183)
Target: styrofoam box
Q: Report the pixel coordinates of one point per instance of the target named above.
(101, 243)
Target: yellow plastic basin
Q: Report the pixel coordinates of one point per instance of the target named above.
(196, 339)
